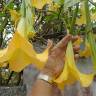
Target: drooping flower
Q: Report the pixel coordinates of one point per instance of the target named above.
(20, 53)
(87, 50)
(70, 72)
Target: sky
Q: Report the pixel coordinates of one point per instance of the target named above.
(94, 0)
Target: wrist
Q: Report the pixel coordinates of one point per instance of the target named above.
(53, 73)
(48, 72)
(45, 78)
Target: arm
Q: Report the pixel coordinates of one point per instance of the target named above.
(53, 68)
(42, 88)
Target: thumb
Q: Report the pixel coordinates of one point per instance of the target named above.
(49, 44)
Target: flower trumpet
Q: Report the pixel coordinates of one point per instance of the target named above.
(70, 72)
(87, 51)
(20, 53)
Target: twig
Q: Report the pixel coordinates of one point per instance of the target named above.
(11, 74)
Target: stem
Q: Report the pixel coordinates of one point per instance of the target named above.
(0, 76)
(10, 77)
(60, 10)
(6, 7)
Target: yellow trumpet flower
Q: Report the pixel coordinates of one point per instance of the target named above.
(40, 3)
(70, 72)
(87, 51)
(20, 53)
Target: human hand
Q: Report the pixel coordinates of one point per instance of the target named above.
(55, 63)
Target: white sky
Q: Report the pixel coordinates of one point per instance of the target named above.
(94, 0)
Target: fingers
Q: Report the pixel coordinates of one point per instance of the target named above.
(76, 51)
(74, 38)
(63, 43)
(76, 56)
(76, 48)
(49, 44)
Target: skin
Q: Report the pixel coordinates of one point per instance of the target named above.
(54, 67)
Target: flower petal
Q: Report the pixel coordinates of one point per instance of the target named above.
(40, 3)
(20, 53)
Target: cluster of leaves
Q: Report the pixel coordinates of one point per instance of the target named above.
(51, 22)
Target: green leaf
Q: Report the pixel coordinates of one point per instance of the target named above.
(69, 3)
(2, 14)
(9, 5)
(51, 17)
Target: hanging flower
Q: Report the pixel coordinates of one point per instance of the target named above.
(70, 72)
(87, 51)
(20, 53)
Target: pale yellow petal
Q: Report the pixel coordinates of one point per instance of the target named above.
(72, 73)
(20, 54)
(40, 3)
(86, 79)
(86, 52)
(78, 42)
(75, 72)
